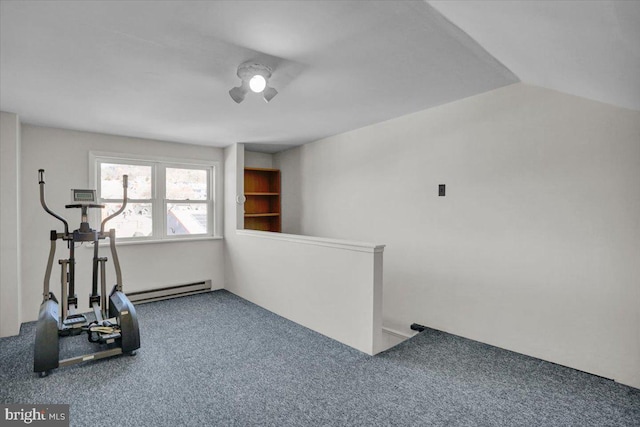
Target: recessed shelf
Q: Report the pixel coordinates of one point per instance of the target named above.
(262, 199)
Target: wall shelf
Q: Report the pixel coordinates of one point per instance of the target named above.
(262, 205)
(259, 215)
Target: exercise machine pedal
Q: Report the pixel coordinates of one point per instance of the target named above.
(75, 321)
(109, 338)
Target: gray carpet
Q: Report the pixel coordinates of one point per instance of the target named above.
(218, 360)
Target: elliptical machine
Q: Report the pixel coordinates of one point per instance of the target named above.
(115, 325)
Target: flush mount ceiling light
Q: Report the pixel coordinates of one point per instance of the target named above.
(255, 77)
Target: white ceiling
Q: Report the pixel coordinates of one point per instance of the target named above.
(585, 48)
(162, 70)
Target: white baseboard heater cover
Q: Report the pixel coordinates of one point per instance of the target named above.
(169, 292)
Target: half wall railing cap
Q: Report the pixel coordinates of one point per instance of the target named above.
(313, 240)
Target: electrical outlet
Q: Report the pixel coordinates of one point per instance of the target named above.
(441, 190)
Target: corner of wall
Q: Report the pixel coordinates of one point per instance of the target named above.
(233, 181)
(10, 258)
(19, 221)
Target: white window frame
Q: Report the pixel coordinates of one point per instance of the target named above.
(158, 197)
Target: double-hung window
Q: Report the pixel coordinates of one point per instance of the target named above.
(186, 203)
(166, 199)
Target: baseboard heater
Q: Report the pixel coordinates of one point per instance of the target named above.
(169, 292)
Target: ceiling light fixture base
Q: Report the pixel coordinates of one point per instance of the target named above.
(246, 72)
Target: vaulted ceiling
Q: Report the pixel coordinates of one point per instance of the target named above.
(586, 48)
(163, 70)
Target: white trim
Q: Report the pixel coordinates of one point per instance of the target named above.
(316, 241)
(151, 158)
(214, 201)
(398, 333)
(153, 242)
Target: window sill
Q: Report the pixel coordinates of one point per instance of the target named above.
(156, 241)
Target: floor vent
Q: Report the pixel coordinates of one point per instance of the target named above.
(169, 292)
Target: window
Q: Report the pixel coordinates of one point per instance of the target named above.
(186, 195)
(166, 199)
(137, 219)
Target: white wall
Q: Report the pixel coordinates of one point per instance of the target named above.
(64, 154)
(10, 259)
(535, 248)
(233, 187)
(254, 159)
(331, 286)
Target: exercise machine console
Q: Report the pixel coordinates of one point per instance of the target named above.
(115, 325)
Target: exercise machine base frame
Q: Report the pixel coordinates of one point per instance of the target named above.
(49, 332)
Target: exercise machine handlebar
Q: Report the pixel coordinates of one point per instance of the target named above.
(44, 203)
(125, 186)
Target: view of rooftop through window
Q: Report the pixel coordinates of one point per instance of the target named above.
(182, 193)
(188, 185)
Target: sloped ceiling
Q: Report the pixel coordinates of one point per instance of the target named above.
(585, 48)
(162, 70)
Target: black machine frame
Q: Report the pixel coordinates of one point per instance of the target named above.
(116, 321)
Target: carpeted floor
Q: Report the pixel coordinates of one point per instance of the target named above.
(218, 360)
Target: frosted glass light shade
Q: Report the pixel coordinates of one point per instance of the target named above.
(257, 83)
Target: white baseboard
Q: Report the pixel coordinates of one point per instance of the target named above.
(397, 333)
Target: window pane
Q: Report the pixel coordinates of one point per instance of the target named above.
(111, 181)
(186, 218)
(135, 221)
(186, 184)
